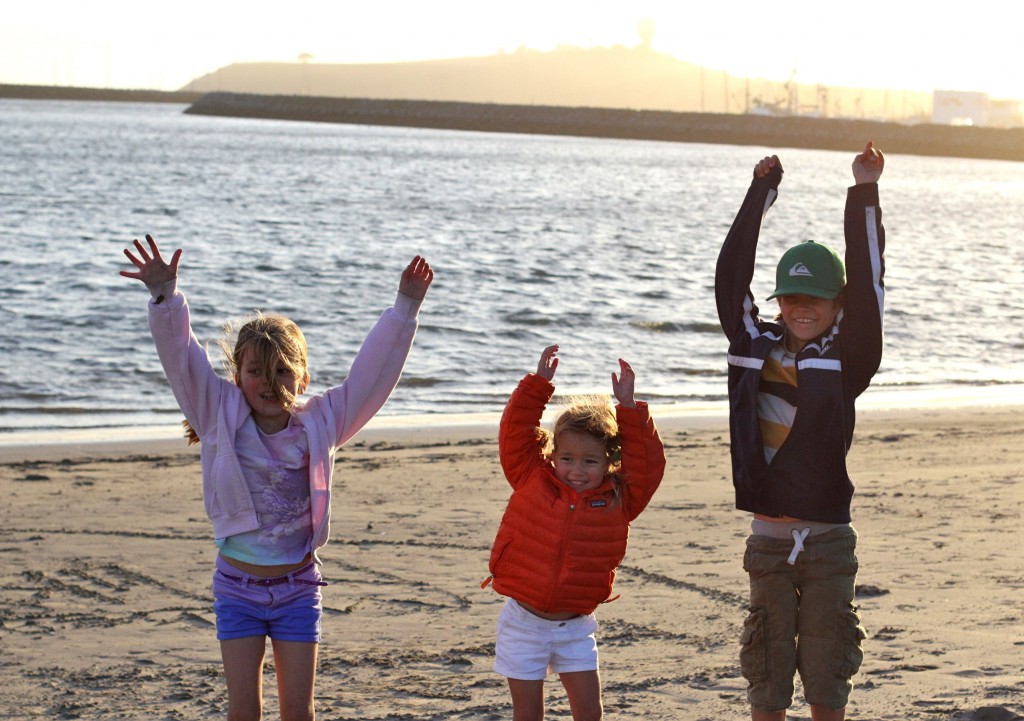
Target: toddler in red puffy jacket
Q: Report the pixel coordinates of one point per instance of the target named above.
(564, 532)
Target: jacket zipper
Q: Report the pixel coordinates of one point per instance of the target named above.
(570, 516)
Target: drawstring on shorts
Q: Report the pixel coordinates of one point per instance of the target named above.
(798, 544)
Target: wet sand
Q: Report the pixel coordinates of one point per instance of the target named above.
(107, 555)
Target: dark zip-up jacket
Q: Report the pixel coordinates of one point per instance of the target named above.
(807, 478)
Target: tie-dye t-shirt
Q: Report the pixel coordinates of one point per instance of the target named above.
(276, 469)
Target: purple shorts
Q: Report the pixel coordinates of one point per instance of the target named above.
(286, 608)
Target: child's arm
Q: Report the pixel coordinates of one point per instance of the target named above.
(735, 268)
(196, 386)
(643, 454)
(520, 440)
(864, 295)
(378, 365)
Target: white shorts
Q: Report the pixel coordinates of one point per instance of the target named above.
(529, 646)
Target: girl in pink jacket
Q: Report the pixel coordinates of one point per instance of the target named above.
(267, 462)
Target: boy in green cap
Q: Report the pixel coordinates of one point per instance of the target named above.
(793, 381)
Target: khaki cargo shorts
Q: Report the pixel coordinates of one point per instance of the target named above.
(802, 619)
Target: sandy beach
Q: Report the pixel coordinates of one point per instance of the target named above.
(107, 556)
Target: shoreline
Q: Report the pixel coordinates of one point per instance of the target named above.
(875, 401)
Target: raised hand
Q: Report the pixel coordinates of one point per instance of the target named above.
(868, 166)
(548, 363)
(416, 278)
(765, 165)
(152, 268)
(622, 385)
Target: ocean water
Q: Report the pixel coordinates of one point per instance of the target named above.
(606, 247)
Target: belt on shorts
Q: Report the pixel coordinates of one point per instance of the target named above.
(278, 580)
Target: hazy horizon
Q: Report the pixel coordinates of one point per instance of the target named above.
(891, 45)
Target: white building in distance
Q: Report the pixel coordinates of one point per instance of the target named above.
(960, 107)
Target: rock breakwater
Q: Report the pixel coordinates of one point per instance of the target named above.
(768, 131)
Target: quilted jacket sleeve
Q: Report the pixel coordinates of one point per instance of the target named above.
(520, 445)
(643, 458)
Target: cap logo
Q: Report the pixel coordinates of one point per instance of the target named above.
(800, 270)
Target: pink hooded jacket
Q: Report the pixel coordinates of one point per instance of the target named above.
(216, 409)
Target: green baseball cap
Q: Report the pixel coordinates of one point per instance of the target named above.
(812, 269)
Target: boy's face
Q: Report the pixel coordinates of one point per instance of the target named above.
(581, 461)
(806, 318)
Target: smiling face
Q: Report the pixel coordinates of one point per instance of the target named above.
(581, 461)
(806, 318)
(270, 410)
(269, 362)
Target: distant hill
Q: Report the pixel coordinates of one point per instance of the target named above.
(617, 77)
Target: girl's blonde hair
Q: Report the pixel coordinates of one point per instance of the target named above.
(273, 340)
(594, 416)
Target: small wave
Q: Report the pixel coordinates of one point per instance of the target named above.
(422, 382)
(950, 382)
(520, 334)
(667, 398)
(537, 280)
(446, 329)
(530, 317)
(169, 212)
(44, 411)
(664, 326)
(700, 372)
(892, 385)
(533, 317)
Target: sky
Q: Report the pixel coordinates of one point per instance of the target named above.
(156, 44)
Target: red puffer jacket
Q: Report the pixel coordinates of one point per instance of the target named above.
(556, 549)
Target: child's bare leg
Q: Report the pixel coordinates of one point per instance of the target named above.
(527, 699)
(584, 691)
(824, 713)
(243, 671)
(818, 713)
(295, 665)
